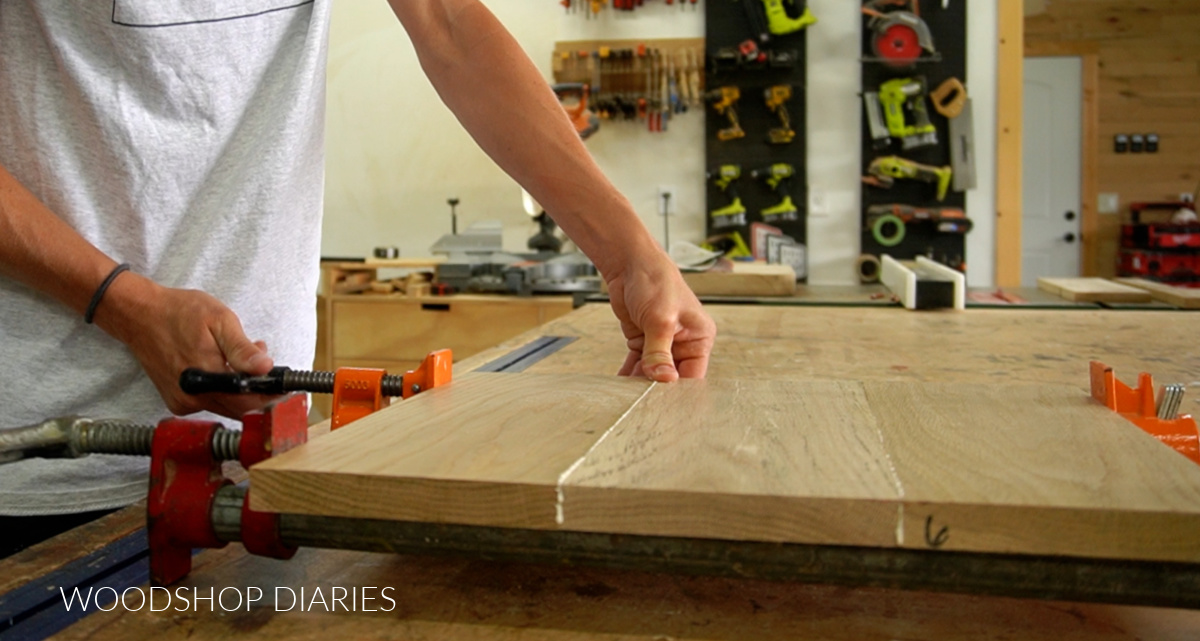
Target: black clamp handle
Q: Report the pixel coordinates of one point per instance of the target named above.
(197, 381)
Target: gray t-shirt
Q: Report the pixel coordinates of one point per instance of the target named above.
(185, 138)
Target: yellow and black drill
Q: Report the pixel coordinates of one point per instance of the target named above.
(777, 97)
(778, 177)
(884, 171)
(725, 99)
(895, 96)
(733, 214)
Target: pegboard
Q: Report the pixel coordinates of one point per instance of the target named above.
(947, 22)
(640, 82)
(728, 25)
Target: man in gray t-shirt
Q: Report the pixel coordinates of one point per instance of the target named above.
(185, 139)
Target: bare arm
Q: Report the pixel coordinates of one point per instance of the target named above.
(166, 329)
(485, 78)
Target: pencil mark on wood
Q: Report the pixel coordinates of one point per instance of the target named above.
(935, 540)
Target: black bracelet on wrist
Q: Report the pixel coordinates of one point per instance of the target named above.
(91, 309)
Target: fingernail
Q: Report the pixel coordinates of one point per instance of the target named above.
(259, 359)
(661, 371)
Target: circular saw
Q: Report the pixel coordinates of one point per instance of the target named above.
(899, 37)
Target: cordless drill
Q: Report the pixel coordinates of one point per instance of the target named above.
(778, 177)
(777, 97)
(733, 214)
(725, 99)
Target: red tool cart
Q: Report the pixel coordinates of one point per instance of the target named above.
(1154, 248)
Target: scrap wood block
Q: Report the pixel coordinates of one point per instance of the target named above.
(745, 279)
(1181, 297)
(382, 287)
(1093, 290)
(1023, 469)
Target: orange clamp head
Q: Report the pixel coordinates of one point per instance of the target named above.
(1137, 406)
(437, 369)
(357, 392)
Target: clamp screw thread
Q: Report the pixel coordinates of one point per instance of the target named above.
(120, 437)
(303, 380)
(225, 444)
(113, 437)
(392, 385)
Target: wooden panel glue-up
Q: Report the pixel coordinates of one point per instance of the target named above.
(1022, 469)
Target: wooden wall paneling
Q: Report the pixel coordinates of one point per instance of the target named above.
(1149, 82)
(1031, 469)
(1009, 107)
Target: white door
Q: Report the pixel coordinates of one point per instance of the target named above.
(1051, 168)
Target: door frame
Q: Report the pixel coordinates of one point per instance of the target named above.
(1010, 59)
(1089, 222)
(1010, 78)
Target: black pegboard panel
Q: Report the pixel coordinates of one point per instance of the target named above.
(949, 28)
(727, 25)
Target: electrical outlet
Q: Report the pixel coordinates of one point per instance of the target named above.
(1109, 203)
(817, 204)
(666, 200)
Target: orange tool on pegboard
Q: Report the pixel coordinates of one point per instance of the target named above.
(1161, 420)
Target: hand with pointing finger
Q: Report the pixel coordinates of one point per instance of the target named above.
(668, 333)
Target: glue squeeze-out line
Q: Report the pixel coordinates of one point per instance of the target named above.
(560, 497)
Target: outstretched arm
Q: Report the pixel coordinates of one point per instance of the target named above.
(498, 95)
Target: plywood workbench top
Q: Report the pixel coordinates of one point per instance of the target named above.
(441, 598)
(978, 345)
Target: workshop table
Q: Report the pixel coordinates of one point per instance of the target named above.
(443, 598)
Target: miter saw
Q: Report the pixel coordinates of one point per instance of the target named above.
(477, 261)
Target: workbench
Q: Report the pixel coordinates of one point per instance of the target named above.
(394, 332)
(449, 597)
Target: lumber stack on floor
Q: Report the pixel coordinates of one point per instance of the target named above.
(1093, 290)
(1031, 469)
(1181, 297)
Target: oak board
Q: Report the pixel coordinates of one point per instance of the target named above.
(1093, 290)
(1028, 469)
(1181, 297)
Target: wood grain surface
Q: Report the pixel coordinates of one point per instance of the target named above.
(1031, 469)
(1096, 290)
(978, 346)
(484, 450)
(451, 599)
(458, 599)
(1181, 297)
(746, 279)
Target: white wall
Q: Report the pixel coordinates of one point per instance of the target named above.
(395, 153)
